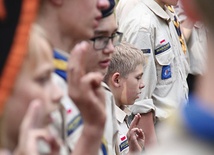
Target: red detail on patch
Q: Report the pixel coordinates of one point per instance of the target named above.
(162, 41)
(69, 111)
(123, 138)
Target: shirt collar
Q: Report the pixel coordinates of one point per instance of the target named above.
(154, 7)
(105, 86)
(121, 114)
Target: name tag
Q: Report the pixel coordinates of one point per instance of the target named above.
(162, 48)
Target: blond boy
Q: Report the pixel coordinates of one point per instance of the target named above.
(124, 77)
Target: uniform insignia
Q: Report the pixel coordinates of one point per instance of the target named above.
(166, 72)
(146, 51)
(124, 145)
(162, 41)
(74, 124)
(162, 49)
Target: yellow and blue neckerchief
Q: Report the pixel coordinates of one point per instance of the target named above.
(60, 64)
(178, 29)
(198, 119)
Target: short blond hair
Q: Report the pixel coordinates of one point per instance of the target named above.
(125, 60)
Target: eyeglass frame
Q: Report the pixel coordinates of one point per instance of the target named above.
(120, 34)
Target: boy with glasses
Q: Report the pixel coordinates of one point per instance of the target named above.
(105, 37)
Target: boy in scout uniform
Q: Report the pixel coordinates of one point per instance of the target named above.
(124, 77)
(195, 34)
(152, 26)
(192, 132)
(96, 58)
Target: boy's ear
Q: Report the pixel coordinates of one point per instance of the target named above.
(115, 79)
(191, 10)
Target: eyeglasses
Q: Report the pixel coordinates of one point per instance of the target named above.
(100, 43)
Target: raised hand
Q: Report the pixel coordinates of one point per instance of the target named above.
(85, 89)
(136, 137)
(87, 93)
(31, 134)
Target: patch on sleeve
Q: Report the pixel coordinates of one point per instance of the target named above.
(74, 124)
(166, 72)
(146, 51)
(123, 143)
(162, 48)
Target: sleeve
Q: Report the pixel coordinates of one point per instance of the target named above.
(144, 40)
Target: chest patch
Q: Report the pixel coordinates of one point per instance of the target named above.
(166, 72)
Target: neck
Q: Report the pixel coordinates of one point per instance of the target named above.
(57, 37)
(160, 3)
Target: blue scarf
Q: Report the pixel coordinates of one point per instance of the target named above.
(199, 120)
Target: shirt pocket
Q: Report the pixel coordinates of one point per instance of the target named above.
(165, 66)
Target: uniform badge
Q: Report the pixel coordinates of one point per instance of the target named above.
(123, 143)
(166, 72)
(146, 51)
(162, 48)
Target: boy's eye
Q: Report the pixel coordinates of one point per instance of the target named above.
(138, 77)
(43, 80)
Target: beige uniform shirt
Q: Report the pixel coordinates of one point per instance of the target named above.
(147, 26)
(197, 43)
(75, 123)
(123, 130)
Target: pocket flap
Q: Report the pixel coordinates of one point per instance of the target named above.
(165, 58)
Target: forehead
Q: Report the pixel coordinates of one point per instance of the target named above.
(138, 70)
(107, 25)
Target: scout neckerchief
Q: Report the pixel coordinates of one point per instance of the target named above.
(60, 63)
(198, 119)
(178, 29)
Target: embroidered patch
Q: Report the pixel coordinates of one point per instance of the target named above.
(162, 48)
(162, 41)
(124, 145)
(146, 51)
(123, 138)
(166, 72)
(74, 124)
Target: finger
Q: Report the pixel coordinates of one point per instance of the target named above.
(92, 81)
(78, 52)
(44, 141)
(132, 133)
(135, 121)
(140, 134)
(31, 118)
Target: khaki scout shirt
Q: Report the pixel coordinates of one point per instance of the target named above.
(123, 130)
(147, 26)
(74, 122)
(197, 43)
